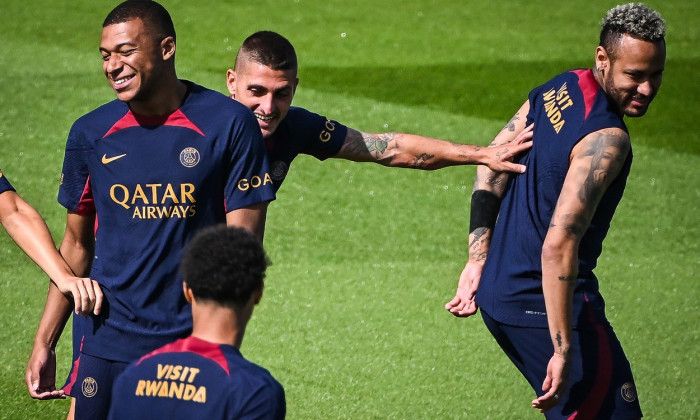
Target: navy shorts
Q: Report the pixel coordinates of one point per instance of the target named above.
(90, 383)
(601, 385)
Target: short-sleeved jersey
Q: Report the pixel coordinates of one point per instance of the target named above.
(195, 379)
(4, 183)
(302, 131)
(154, 182)
(564, 110)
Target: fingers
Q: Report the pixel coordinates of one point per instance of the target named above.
(87, 296)
(525, 134)
(38, 392)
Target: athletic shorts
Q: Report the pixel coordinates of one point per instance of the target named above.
(601, 385)
(90, 383)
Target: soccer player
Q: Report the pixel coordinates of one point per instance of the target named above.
(165, 159)
(204, 376)
(29, 231)
(264, 79)
(535, 239)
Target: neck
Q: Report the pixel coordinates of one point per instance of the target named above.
(218, 324)
(162, 102)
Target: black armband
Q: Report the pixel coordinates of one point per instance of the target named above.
(484, 212)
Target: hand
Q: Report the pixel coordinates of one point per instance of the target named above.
(41, 374)
(554, 384)
(464, 302)
(86, 294)
(502, 156)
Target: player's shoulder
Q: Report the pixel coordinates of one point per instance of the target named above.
(103, 115)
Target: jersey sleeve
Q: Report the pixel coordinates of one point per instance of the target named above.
(248, 178)
(4, 183)
(320, 137)
(74, 191)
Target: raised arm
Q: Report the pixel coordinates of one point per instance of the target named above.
(29, 231)
(418, 152)
(595, 162)
(489, 187)
(77, 248)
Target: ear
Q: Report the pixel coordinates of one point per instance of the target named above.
(257, 294)
(167, 47)
(602, 60)
(231, 82)
(189, 296)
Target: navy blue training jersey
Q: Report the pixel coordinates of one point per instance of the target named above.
(302, 131)
(195, 379)
(564, 110)
(154, 182)
(4, 183)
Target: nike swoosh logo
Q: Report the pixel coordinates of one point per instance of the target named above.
(106, 160)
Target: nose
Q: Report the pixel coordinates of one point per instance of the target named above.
(112, 64)
(266, 105)
(645, 88)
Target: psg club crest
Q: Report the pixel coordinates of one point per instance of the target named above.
(89, 387)
(278, 170)
(189, 157)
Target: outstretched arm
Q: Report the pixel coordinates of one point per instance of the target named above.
(418, 152)
(77, 248)
(29, 231)
(595, 163)
(489, 187)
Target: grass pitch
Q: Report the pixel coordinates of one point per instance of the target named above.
(365, 257)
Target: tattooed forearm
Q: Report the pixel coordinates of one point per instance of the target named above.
(479, 243)
(421, 160)
(559, 340)
(377, 144)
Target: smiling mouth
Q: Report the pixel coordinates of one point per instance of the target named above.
(119, 82)
(264, 118)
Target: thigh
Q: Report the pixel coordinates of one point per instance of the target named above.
(93, 378)
(601, 385)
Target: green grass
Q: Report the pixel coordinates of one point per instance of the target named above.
(365, 257)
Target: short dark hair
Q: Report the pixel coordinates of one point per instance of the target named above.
(269, 49)
(154, 16)
(633, 19)
(224, 264)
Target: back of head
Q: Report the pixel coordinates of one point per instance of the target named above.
(269, 49)
(633, 19)
(224, 265)
(154, 16)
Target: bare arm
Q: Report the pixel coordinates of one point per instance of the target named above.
(77, 248)
(489, 187)
(418, 152)
(595, 162)
(251, 218)
(29, 231)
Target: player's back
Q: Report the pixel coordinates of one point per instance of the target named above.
(196, 379)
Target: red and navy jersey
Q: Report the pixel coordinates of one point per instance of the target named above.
(154, 182)
(195, 379)
(4, 183)
(564, 110)
(302, 131)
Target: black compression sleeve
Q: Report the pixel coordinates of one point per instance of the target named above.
(484, 212)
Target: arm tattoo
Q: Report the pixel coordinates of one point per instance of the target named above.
(559, 340)
(511, 124)
(378, 144)
(567, 278)
(421, 160)
(478, 244)
(604, 161)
